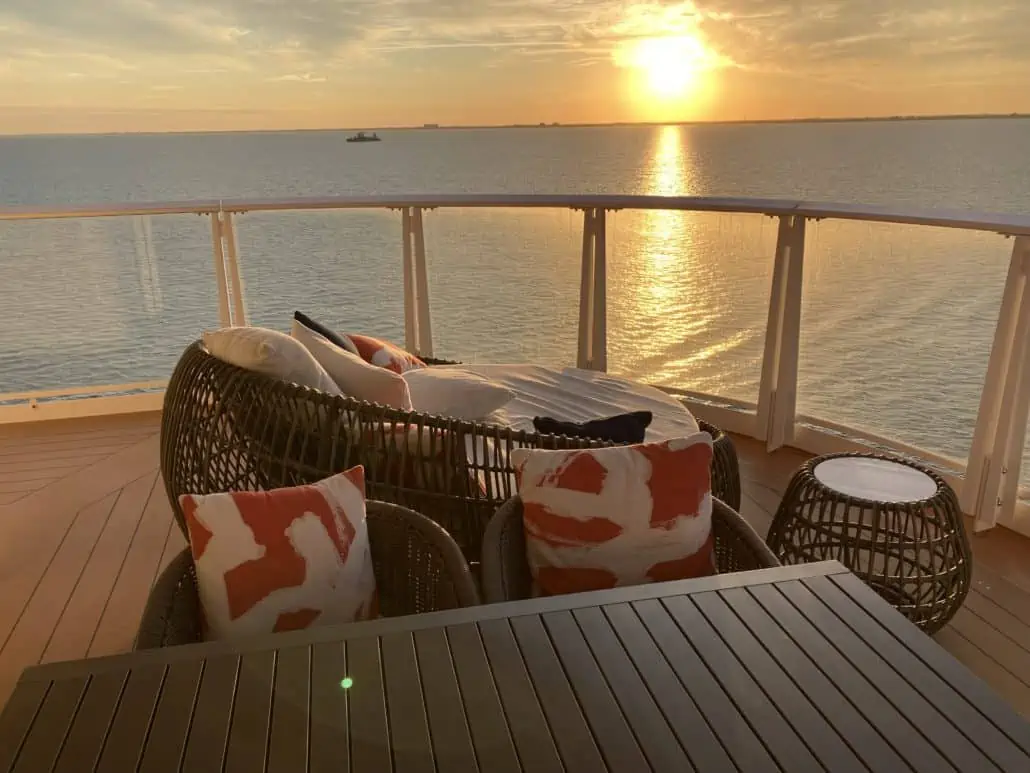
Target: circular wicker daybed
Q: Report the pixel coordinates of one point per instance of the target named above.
(225, 428)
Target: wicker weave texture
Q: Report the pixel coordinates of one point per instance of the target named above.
(505, 570)
(916, 555)
(224, 428)
(725, 467)
(418, 568)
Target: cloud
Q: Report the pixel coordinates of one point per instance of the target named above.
(310, 41)
(851, 35)
(303, 77)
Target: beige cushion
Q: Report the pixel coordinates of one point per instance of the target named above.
(353, 375)
(270, 352)
(455, 393)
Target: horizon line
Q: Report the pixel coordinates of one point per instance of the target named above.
(543, 125)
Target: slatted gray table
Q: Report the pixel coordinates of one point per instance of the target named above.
(795, 669)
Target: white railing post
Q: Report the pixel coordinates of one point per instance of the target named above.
(991, 485)
(410, 312)
(777, 395)
(425, 322)
(586, 295)
(224, 313)
(233, 269)
(592, 351)
(599, 336)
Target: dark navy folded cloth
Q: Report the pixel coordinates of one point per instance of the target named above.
(342, 341)
(624, 428)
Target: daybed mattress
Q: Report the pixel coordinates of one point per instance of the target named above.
(572, 394)
(569, 394)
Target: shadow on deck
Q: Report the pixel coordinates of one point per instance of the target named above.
(85, 529)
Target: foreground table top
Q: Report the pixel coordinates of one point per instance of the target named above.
(799, 669)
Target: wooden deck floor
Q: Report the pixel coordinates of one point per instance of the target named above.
(85, 528)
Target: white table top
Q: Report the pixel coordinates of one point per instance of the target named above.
(878, 479)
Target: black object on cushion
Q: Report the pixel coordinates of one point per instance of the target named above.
(330, 335)
(624, 428)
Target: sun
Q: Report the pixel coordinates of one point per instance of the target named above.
(670, 66)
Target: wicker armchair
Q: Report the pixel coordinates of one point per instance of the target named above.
(418, 568)
(506, 575)
(224, 428)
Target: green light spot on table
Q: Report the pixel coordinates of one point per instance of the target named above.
(346, 682)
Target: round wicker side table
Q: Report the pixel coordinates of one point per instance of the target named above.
(896, 524)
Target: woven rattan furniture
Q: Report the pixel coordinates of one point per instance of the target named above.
(725, 467)
(894, 523)
(418, 568)
(224, 428)
(505, 570)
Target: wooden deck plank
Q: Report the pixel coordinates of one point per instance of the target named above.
(31, 630)
(118, 625)
(1008, 653)
(21, 527)
(74, 633)
(41, 478)
(100, 427)
(55, 595)
(27, 574)
(14, 448)
(1003, 592)
(174, 543)
(1006, 684)
(66, 428)
(59, 466)
(47, 456)
(1016, 629)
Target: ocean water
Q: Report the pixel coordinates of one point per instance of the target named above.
(897, 320)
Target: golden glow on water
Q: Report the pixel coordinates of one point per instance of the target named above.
(662, 236)
(675, 321)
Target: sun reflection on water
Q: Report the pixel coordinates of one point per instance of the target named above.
(663, 234)
(675, 319)
(663, 274)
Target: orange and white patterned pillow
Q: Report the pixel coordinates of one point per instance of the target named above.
(627, 515)
(385, 354)
(284, 559)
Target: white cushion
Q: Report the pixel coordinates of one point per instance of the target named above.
(270, 352)
(353, 375)
(455, 392)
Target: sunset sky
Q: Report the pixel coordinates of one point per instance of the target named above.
(159, 65)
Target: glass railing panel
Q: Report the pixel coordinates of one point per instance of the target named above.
(688, 299)
(97, 301)
(504, 284)
(896, 330)
(343, 268)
